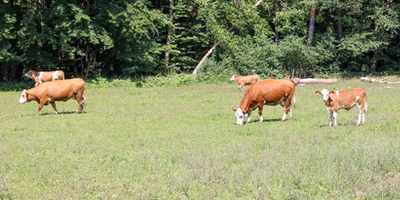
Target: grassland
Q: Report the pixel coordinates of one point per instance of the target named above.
(182, 143)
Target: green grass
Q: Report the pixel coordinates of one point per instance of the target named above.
(182, 143)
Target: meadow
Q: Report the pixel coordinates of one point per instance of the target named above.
(182, 143)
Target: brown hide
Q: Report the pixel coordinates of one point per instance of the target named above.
(41, 77)
(268, 92)
(59, 90)
(346, 99)
(246, 80)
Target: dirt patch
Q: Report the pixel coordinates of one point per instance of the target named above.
(383, 184)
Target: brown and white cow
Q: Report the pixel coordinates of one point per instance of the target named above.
(347, 99)
(40, 77)
(245, 80)
(60, 90)
(269, 92)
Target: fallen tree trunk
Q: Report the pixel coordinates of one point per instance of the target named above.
(314, 80)
(382, 80)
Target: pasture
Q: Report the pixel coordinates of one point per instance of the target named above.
(182, 143)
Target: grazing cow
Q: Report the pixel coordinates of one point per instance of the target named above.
(245, 80)
(335, 100)
(266, 92)
(40, 77)
(61, 90)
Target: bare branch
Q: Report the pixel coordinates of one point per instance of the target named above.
(258, 3)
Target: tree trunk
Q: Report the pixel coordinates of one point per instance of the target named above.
(13, 70)
(313, 80)
(208, 54)
(205, 57)
(312, 22)
(374, 58)
(171, 18)
(6, 72)
(255, 5)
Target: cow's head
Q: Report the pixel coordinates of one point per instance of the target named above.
(240, 116)
(29, 74)
(24, 97)
(233, 77)
(325, 94)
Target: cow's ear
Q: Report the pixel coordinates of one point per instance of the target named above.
(331, 92)
(234, 109)
(317, 92)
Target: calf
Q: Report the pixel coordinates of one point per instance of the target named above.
(245, 80)
(266, 92)
(40, 77)
(347, 99)
(61, 90)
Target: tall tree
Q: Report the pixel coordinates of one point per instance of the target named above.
(312, 23)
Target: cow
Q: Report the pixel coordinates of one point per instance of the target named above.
(269, 92)
(347, 99)
(40, 77)
(60, 90)
(245, 80)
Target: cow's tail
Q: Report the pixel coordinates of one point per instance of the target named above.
(294, 100)
(84, 94)
(365, 106)
(365, 102)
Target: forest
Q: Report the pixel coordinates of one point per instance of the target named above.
(138, 38)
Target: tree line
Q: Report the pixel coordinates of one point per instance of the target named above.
(133, 38)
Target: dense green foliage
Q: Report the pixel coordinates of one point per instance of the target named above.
(128, 38)
(182, 143)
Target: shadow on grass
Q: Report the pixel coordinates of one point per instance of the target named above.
(265, 120)
(59, 113)
(342, 124)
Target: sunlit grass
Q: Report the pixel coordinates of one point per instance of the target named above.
(182, 142)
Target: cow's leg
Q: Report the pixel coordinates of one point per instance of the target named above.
(260, 109)
(361, 114)
(40, 107)
(248, 117)
(80, 100)
(330, 118)
(330, 110)
(54, 106)
(334, 114)
(241, 86)
(287, 107)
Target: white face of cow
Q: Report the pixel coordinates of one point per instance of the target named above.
(233, 78)
(325, 94)
(240, 116)
(23, 98)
